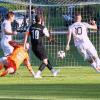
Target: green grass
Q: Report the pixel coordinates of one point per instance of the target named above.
(81, 83)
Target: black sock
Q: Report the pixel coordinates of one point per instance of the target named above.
(49, 65)
(42, 66)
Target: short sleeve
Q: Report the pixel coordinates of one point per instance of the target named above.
(7, 26)
(87, 25)
(45, 31)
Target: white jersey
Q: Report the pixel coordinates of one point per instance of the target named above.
(6, 47)
(79, 31)
(6, 25)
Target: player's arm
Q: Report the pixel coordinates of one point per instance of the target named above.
(25, 39)
(68, 40)
(51, 39)
(47, 34)
(6, 27)
(9, 70)
(92, 25)
(4, 73)
(10, 33)
(7, 32)
(29, 67)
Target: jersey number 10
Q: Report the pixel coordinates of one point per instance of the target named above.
(78, 30)
(35, 34)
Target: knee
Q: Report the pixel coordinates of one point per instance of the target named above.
(45, 61)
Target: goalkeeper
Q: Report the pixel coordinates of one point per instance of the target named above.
(12, 62)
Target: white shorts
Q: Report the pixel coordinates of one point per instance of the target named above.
(87, 50)
(6, 47)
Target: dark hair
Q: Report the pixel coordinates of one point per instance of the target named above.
(37, 18)
(77, 14)
(10, 14)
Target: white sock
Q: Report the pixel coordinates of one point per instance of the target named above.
(93, 64)
(38, 73)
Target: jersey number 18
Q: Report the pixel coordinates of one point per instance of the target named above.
(35, 34)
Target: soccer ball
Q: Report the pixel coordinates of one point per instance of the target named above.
(60, 54)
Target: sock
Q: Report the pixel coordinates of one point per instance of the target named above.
(38, 73)
(93, 65)
(49, 65)
(42, 66)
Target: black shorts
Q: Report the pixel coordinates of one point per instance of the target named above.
(40, 52)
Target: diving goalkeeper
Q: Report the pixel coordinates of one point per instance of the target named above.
(12, 62)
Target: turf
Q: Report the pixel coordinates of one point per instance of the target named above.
(81, 83)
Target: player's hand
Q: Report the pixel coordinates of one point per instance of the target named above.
(51, 39)
(67, 47)
(92, 22)
(15, 32)
(27, 46)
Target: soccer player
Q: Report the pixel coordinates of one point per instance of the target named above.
(14, 60)
(82, 42)
(7, 33)
(37, 31)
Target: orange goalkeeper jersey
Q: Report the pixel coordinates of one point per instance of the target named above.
(18, 56)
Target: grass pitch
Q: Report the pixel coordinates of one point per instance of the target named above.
(81, 83)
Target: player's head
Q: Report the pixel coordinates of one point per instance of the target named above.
(78, 17)
(38, 19)
(10, 16)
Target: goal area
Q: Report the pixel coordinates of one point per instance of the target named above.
(57, 16)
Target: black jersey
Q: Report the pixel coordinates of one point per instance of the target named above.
(36, 34)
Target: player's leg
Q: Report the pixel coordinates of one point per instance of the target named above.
(7, 48)
(83, 51)
(4, 73)
(54, 72)
(91, 61)
(29, 67)
(38, 53)
(39, 72)
(96, 60)
(49, 66)
(41, 54)
(44, 58)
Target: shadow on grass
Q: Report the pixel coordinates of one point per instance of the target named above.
(50, 90)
